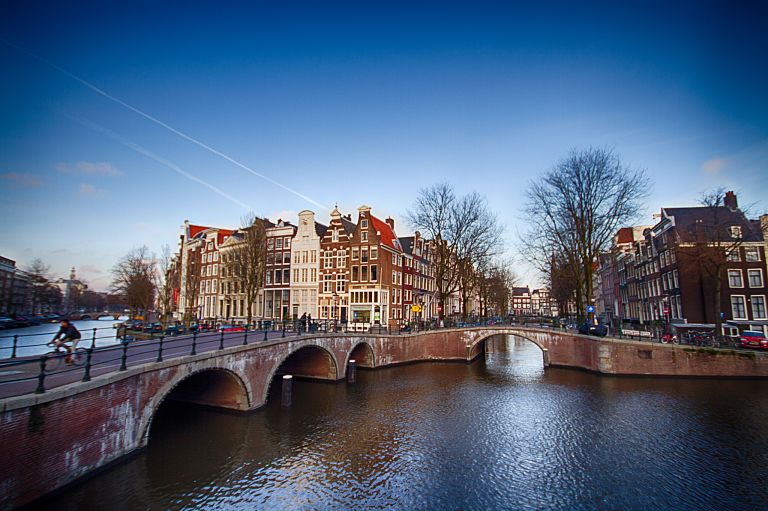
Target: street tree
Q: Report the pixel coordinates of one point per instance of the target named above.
(42, 295)
(574, 210)
(134, 277)
(245, 263)
(463, 230)
(167, 281)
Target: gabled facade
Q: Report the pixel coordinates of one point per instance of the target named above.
(305, 265)
(277, 282)
(334, 269)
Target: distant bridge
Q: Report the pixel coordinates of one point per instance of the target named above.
(83, 316)
(72, 427)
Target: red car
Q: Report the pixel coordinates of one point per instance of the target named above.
(231, 328)
(751, 339)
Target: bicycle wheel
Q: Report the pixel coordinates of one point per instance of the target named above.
(55, 360)
(79, 356)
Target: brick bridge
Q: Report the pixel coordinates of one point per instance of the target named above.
(49, 440)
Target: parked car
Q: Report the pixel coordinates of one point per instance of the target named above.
(592, 329)
(6, 322)
(751, 339)
(231, 328)
(176, 329)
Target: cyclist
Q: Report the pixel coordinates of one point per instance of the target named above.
(67, 333)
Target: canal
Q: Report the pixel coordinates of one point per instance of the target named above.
(501, 433)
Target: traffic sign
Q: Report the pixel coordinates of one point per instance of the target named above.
(591, 308)
(416, 308)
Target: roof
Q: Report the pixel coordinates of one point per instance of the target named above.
(320, 229)
(349, 226)
(519, 291)
(625, 235)
(196, 230)
(386, 235)
(407, 243)
(712, 217)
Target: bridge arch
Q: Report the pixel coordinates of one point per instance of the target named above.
(476, 344)
(307, 361)
(210, 385)
(363, 355)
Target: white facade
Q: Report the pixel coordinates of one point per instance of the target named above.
(305, 265)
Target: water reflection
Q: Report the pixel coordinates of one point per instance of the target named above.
(501, 433)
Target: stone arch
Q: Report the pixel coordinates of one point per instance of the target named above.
(220, 375)
(363, 354)
(475, 345)
(316, 348)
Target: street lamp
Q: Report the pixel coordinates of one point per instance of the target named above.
(335, 298)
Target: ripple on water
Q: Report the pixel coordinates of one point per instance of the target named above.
(502, 433)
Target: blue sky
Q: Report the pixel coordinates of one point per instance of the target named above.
(360, 104)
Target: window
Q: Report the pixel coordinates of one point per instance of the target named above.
(210, 257)
(342, 258)
(296, 275)
(286, 258)
(328, 260)
(734, 278)
(364, 236)
(287, 242)
(270, 244)
(215, 269)
(213, 286)
(304, 256)
(364, 224)
(755, 278)
(279, 244)
(364, 255)
(355, 270)
(374, 273)
(758, 307)
(314, 275)
(270, 258)
(751, 254)
(738, 307)
(269, 277)
(215, 256)
(314, 256)
(374, 252)
(327, 284)
(733, 256)
(278, 277)
(364, 274)
(355, 252)
(208, 271)
(335, 235)
(303, 274)
(340, 283)
(287, 276)
(735, 231)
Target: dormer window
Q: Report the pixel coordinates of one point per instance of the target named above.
(364, 224)
(735, 231)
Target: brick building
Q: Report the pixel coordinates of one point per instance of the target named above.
(277, 284)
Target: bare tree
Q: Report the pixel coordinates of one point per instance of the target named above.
(495, 280)
(134, 277)
(708, 245)
(40, 283)
(246, 262)
(463, 231)
(576, 208)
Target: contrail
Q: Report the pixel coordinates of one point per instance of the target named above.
(159, 159)
(161, 123)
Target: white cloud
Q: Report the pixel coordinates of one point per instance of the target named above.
(22, 179)
(714, 166)
(88, 190)
(90, 168)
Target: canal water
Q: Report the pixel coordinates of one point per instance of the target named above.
(501, 433)
(31, 340)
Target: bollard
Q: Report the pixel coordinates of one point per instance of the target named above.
(545, 355)
(124, 358)
(265, 334)
(87, 374)
(15, 343)
(194, 343)
(41, 377)
(93, 339)
(351, 368)
(287, 390)
(469, 353)
(160, 350)
(245, 336)
(221, 340)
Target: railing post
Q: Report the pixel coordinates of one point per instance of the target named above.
(160, 349)
(15, 343)
(41, 377)
(194, 343)
(287, 390)
(245, 336)
(283, 329)
(221, 341)
(93, 339)
(124, 358)
(265, 334)
(87, 374)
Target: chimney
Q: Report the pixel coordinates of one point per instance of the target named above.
(730, 201)
(390, 222)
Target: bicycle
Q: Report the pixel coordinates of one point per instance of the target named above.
(59, 357)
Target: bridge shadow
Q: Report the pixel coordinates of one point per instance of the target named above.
(311, 363)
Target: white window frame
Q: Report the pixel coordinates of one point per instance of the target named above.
(752, 250)
(752, 271)
(732, 271)
(752, 306)
(744, 303)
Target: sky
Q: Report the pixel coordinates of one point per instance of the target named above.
(118, 122)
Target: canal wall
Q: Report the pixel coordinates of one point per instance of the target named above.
(49, 440)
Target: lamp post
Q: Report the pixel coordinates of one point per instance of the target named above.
(335, 298)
